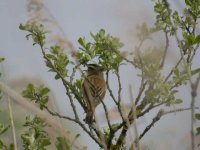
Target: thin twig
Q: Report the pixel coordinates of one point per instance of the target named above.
(12, 123)
(157, 118)
(73, 73)
(107, 117)
(10, 108)
(65, 83)
(122, 136)
(177, 64)
(165, 50)
(127, 60)
(58, 115)
(134, 145)
(151, 106)
(109, 89)
(74, 120)
(142, 88)
(101, 136)
(119, 95)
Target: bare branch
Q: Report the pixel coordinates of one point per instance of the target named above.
(165, 50)
(107, 117)
(142, 88)
(135, 145)
(157, 118)
(109, 89)
(177, 64)
(119, 95)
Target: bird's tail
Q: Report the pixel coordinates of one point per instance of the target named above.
(89, 117)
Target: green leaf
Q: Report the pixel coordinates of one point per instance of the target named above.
(44, 91)
(193, 72)
(176, 72)
(50, 56)
(197, 116)
(62, 144)
(3, 129)
(188, 2)
(28, 92)
(2, 59)
(93, 35)
(102, 33)
(1, 144)
(12, 147)
(198, 131)
(56, 49)
(178, 101)
(44, 101)
(77, 136)
(45, 142)
(197, 39)
(82, 41)
(115, 125)
(35, 138)
(57, 77)
(22, 27)
(191, 39)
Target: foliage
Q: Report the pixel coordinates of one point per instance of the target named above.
(36, 32)
(198, 118)
(62, 144)
(105, 49)
(39, 95)
(3, 128)
(35, 138)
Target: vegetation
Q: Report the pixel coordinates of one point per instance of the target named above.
(156, 88)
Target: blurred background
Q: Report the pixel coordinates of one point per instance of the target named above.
(65, 22)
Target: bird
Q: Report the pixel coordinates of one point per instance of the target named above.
(94, 90)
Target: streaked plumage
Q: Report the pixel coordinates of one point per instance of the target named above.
(94, 90)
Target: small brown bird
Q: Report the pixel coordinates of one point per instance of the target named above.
(94, 90)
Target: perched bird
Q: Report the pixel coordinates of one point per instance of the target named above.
(94, 90)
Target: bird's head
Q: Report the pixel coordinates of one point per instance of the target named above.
(95, 69)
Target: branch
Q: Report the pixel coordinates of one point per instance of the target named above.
(127, 60)
(109, 89)
(137, 144)
(24, 104)
(65, 83)
(58, 115)
(122, 136)
(168, 76)
(165, 50)
(194, 87)
(142, 88)
(10, 108)
(157, 118)
(151, 106)
(68, 86)
(73, 73)
(76, 121)
(119, 95)
(107, 117)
